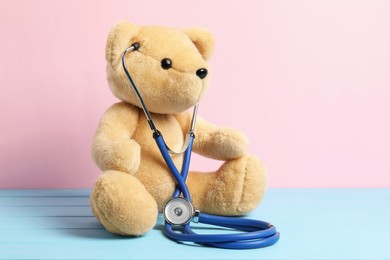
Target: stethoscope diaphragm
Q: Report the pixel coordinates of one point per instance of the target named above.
(178, 211)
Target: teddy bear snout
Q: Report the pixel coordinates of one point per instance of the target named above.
(201, 73)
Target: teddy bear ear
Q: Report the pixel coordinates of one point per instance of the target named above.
(202, 39)
(119, 38)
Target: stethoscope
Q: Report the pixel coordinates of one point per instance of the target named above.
(178, 211)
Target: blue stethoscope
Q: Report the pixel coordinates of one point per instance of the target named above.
(179, 212)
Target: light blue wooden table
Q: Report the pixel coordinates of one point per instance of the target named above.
(314, 224)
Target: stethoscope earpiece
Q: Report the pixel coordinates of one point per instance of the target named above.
(135, 46)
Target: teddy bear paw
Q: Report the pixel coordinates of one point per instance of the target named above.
(238, 187)
(123, 205)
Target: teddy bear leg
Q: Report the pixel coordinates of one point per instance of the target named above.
(234, 189)
(122, 204)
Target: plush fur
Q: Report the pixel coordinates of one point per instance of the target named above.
(136, 183)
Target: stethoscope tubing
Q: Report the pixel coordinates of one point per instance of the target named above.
(179, 177)
(247, 240)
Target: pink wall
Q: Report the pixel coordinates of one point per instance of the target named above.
(310, 81)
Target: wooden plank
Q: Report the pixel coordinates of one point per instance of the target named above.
(44, 201)
(45, 193)
(99, 244)
(130, 249)
(48, 222)
(57, 236)
(61, 229)
(65, 211)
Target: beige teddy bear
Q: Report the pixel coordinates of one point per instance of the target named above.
(171, 72)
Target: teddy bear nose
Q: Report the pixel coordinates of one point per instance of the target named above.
(201, 73)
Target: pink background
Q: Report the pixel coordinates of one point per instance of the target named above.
(308, 81)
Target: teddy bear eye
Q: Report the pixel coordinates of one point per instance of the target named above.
(166, 63)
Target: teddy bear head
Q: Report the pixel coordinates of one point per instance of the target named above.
(169, 68)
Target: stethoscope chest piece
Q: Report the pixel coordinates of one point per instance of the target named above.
(178, 211)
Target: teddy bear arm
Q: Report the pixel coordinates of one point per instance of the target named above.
(113, 148)
(215, 142)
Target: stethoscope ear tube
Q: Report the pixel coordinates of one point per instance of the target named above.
(134, 47)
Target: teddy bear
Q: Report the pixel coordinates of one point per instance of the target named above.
(171, 70)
